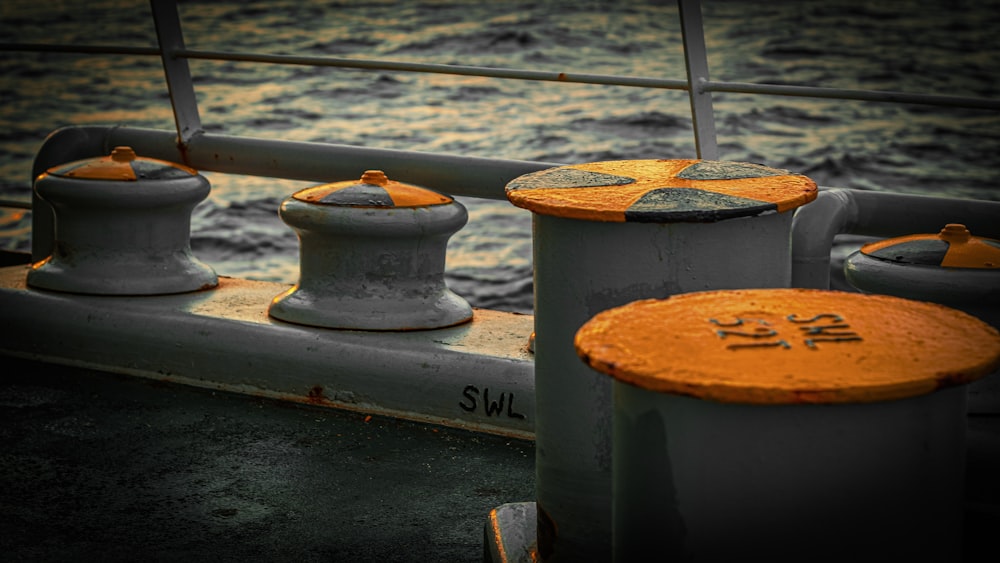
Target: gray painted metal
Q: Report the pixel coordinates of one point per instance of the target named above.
(527, 74)
(317, 162)
(581, 269)
(123, 237)
(372, 268)
(842, 211)
(510, 533)
(696, 63)
(954, 287)
(788, 482)
(175, 68)
(477, 375)
(974, 291)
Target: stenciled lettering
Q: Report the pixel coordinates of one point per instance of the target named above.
(759, 333)
(470, 392)
(470, 402)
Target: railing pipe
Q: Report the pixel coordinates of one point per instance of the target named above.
(175, 68)
(293, 160)
(705, 86)
(434, 68)
(696, 63)
(63, 145)
(878, 214)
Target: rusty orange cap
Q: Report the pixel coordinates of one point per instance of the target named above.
(782, 346)
(660, 191)
(374, 189)
(952, 247)
(122, 165)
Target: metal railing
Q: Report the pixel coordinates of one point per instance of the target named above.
(454, 174)
(175, 55)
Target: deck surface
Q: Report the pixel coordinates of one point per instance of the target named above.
(101, 467)
(104, 467)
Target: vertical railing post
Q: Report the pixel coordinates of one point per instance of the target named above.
(178, 75)
(696, 61)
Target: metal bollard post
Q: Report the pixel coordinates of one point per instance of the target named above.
(789, 424)
(372, 256)
(951, 267)
(122, 227)
(605, 234)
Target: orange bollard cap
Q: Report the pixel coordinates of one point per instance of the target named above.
(952, 247)
(660, 191)
(784, 346)
(121, 165)
(374, 189)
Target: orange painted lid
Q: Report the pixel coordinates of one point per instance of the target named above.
(953, 247)
(122, 165)
(782, 346)
(660, 191)
(374, 189)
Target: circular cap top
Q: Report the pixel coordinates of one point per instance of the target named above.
(660, 191)
(953, 247)
(782, 346)
(374, 189)
(122, 164)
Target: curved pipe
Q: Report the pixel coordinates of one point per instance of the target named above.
(879, 214)
(814, 226)
(293, 160)
(62, 145)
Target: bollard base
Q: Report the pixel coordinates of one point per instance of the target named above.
(510, 534)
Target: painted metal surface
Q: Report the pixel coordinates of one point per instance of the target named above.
(660, 191)
(477, 375)
(835, 210)
(696, 65)
(293, 160)
(953, 247)
(952, 267)
(789, 346)
(787, 419)
(583, 267)
(509, 532)
(123, 227)
(879, 214)
(180, 86)
(372, 256)
(700, 480)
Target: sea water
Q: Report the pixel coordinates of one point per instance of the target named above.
(929, 46)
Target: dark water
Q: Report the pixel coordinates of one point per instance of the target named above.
(935, 46)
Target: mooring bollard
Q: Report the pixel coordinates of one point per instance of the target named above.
(788, 424)
(605, 234)
(372, 256)
(951, 267)
(122, 227)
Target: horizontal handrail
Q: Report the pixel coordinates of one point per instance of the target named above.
(969, 102)
(435, 68)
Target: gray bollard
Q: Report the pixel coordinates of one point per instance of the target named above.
(788, 424)
(608, 233)
(122, 227)
(951, 267)
(372, 256)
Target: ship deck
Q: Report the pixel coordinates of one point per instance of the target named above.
(100, 466)
(104, 467)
